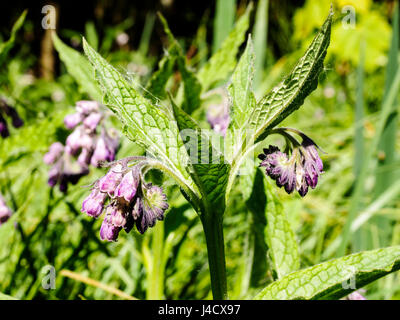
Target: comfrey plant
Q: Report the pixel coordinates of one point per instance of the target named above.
(90, 143)
(207, 169)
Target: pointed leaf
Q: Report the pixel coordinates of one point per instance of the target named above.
(6, 46)
(280, 238)
(208, 169)
(289, 95)
(144, 123)
(241, 90)
(79, 68)
(336, 278)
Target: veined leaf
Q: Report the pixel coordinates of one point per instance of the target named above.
(223, 61)
(144, 123)
(280, 238)
(79, 68)
(336, 278)
(6, 46)
(278, 234)
(208, 169)
(255, 251)
(289, 95)
(240, 90)
(271, 233)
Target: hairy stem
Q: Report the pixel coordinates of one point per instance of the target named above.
(156, 270)
(212, 225)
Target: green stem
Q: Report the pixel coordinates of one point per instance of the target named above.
(156, 277)
(212, 225)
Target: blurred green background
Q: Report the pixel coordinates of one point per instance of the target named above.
(47, 227)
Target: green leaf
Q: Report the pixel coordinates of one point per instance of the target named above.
(191, 85)
(271, 222)
(289, 95)
(6, 46)
(255, 250)
(144, 123)
(91, 35)
(336, 278)
(207, 166)
(223, 61)
(223, 21)
(156, 86)
(270, 232)
(260, 32)
(79, 68)
(6, 297)
(280, 238)
(240, 89)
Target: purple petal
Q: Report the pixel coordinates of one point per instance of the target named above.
(111, 180)
(128, 186)
(93, 205)
(108, 231)
(92, 120)
(54, 153)
(72, 120)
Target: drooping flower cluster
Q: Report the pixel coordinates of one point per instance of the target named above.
(297, 171)
(7, 110)
(218, 114)
(90, 143)
(131, 201)
(5, 211)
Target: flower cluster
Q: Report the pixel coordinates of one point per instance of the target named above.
(90, 143)
(299, 171)
(5, 212)
(6, 109)
(131, 201)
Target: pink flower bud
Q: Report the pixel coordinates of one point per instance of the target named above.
(92, 120)
(111, 180)
(55, 152)
(72, 120)
(93, 205)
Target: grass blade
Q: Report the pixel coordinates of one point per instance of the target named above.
(223, 21)
(260, 32)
